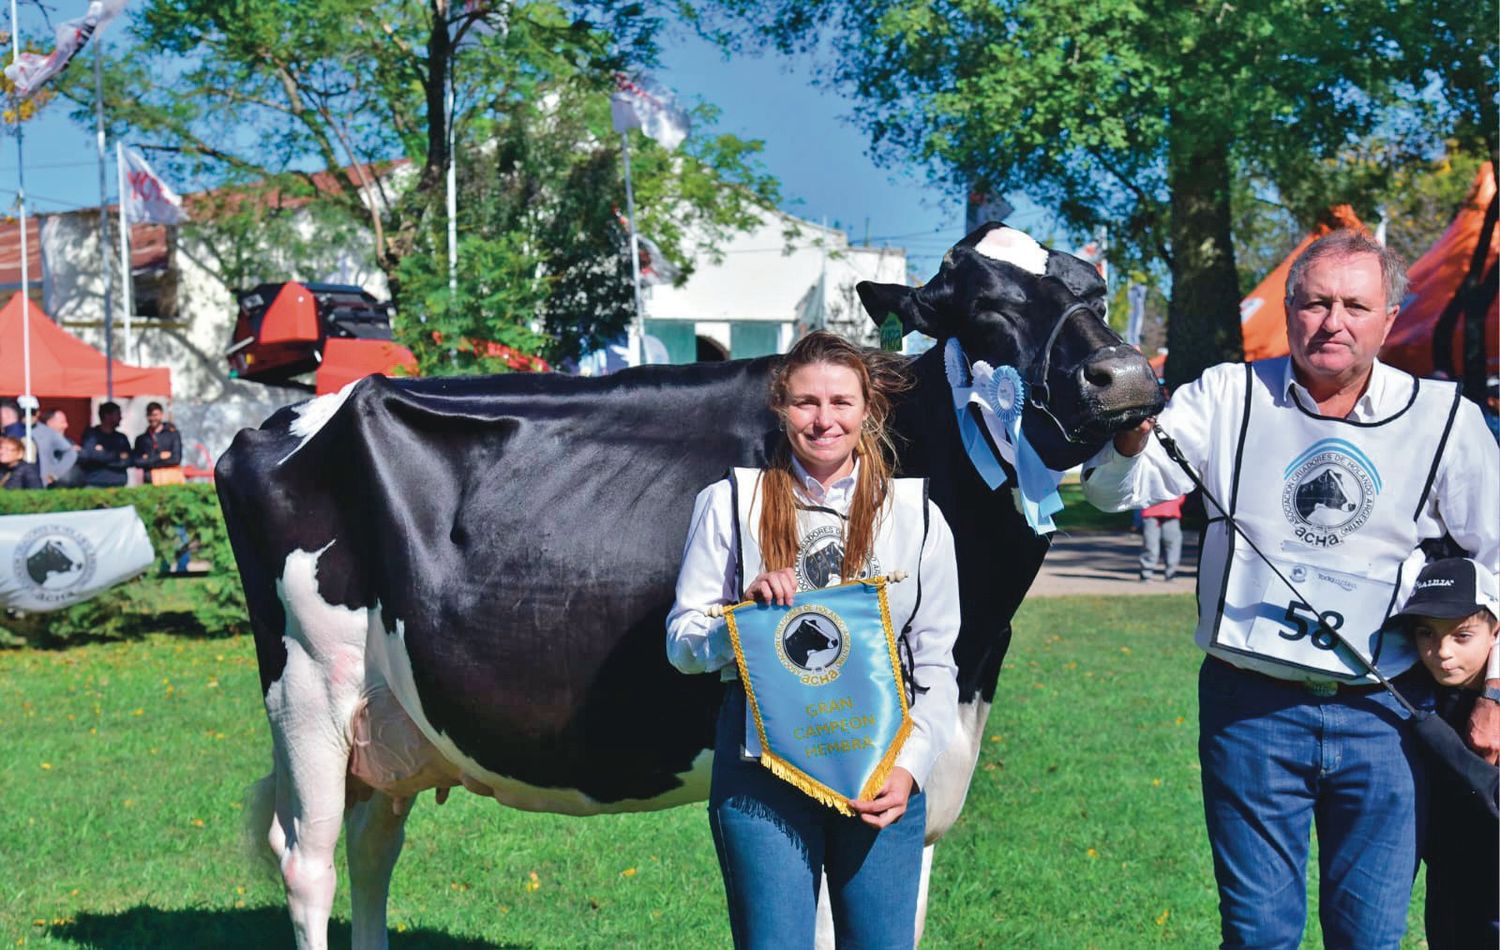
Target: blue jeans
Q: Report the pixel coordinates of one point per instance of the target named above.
(774, 843)
(1277, 760)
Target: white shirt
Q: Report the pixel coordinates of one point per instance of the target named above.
(697, 643)
(1203, 418)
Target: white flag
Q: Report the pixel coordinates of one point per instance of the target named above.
(147, 197)
(31, 70)
(51, 561)
(641, 104)
(655, 267)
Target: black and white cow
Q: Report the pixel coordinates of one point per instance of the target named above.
(465, 581)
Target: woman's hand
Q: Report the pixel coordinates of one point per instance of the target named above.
(890, 803)
(773, 587)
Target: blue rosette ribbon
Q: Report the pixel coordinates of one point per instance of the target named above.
(1005, 392)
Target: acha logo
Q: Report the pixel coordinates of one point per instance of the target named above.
(1328, 492)
(820, 559)
(812, 643)
(53, 562)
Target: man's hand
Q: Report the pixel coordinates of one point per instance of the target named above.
(1484, 727)
(1132, 442)
(773, 587)
(890, 803)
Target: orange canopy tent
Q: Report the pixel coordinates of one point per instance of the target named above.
(345, 360)
(1433, 285)
(1263, 311)
(63, 365)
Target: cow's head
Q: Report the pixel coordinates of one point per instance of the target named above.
(1012, 302)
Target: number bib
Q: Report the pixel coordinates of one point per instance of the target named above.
(1293, 631)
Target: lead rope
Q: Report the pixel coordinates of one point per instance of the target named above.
(1175, 454)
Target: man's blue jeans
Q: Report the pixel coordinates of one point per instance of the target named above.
(774, 843)
(1278, 759)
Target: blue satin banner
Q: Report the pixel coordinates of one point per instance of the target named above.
(823, 681)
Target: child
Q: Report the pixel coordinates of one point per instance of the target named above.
(1452, 616)
(1161, 526)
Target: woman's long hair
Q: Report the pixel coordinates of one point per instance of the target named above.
(881, 376)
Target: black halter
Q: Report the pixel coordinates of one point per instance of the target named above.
(1037, 393)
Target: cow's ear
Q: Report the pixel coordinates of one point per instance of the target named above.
(883, 300)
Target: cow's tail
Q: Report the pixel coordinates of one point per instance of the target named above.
(260, 811)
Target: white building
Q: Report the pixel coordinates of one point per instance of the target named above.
(769, 286)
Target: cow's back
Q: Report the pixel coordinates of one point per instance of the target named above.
(520, 536)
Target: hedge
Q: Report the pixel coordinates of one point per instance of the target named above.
(202, 606)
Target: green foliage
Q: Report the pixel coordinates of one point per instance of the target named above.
(1143, 114)
(209, 605)
(326, 126)
(1083, 826)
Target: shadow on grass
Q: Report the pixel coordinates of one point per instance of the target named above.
(250, 928)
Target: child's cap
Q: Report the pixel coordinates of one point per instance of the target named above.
(1452, 588)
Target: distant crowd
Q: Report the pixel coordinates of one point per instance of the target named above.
(103, 458)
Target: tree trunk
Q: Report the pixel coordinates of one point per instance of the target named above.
(1203, 318)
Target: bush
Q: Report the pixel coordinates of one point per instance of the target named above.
(200, 606)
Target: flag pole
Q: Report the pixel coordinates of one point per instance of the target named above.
(125, 295)
(635, 254)
(109, 316)
(15, 51)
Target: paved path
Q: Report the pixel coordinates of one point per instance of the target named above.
(1109, 563)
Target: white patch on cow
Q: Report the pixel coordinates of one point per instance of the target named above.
(313, 415)
(948, 784)
(387, 655)
(1014, 247)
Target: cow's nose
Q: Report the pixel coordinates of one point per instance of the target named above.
(1120, 372)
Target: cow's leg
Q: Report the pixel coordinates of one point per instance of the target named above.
(922, 891)
(376, 832)
(305, 831)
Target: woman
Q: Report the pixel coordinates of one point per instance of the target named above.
(15, 471)
(828, 498)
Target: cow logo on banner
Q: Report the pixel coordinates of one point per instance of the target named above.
(1329, 492)
(823, 682)
(54, 561)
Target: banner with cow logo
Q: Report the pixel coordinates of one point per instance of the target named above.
(56, 560)
(823, 681)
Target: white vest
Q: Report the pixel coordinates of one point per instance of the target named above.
(1334, 504)
(900, 534)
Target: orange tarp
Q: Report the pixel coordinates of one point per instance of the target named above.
(63, 365)
(1434, 280)
(1263, 311)
(346, 360)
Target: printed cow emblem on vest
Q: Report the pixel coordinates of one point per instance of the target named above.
(820, 560)
(1329, 491)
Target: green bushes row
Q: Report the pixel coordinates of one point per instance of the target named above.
(199, 606)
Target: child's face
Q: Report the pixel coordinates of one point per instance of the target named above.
(1455, 651)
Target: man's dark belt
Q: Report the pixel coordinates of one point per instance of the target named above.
(1315, 687)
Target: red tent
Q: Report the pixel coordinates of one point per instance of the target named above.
(63, 365)
(345, 360)
(1433, 284)
(1263, 311)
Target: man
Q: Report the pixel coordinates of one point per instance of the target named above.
(158, 450)
(10, 419)
(104, 457)
(54, 453)
(1338, 467)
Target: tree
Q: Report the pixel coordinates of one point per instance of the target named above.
(341, 107)
(1140, 114)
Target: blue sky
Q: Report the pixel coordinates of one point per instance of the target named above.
(811, 144)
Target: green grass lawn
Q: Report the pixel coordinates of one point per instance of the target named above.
(125, 763)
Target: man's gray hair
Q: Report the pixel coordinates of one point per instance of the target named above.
(1350, 243)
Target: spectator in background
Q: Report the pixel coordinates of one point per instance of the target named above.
(104, 458)
(158, 450)
(55, 455)
(1161, 524)
(10, 419)
(15, 471)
